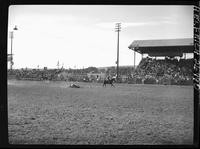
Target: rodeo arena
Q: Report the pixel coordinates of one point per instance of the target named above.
(147, 104)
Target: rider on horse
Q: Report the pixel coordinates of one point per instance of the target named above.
(109, 81)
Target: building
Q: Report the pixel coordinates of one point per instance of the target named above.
(163, 47)
(175, 68)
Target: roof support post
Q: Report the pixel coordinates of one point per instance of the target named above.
(134, 59)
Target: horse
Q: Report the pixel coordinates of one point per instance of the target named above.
(109, 81)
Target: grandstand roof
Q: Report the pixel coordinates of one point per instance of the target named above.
(163, 46)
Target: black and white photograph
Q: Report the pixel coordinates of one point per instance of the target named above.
(100, 74)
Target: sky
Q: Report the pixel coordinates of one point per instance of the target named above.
(80, 36)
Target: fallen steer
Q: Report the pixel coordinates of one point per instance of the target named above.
(74, 86)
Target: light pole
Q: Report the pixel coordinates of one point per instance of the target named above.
(117, 29)
(11, 54)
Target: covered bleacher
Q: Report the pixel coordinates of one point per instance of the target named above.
(163, 47)
(175, 68)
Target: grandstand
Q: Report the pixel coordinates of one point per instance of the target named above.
(164, 47)
(175, 68)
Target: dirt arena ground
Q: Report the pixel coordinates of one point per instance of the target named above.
(53, 113)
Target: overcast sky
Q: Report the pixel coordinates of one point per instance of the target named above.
(82, 36)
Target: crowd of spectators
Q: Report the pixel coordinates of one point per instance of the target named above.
(34, 74)
(148, 71)
(49, 74)
(166, 69)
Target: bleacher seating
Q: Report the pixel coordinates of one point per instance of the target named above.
(167, 71)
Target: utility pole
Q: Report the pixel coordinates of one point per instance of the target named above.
(11, 53)
(117, 29)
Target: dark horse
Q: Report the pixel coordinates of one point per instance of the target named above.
(109, 81)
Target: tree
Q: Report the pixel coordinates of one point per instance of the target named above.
(91, 69)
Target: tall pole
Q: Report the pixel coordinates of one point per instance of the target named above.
(11, 54)
(118, 29)
(11, 37)
(117, 55)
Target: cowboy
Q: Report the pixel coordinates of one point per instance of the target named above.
(108, 78)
